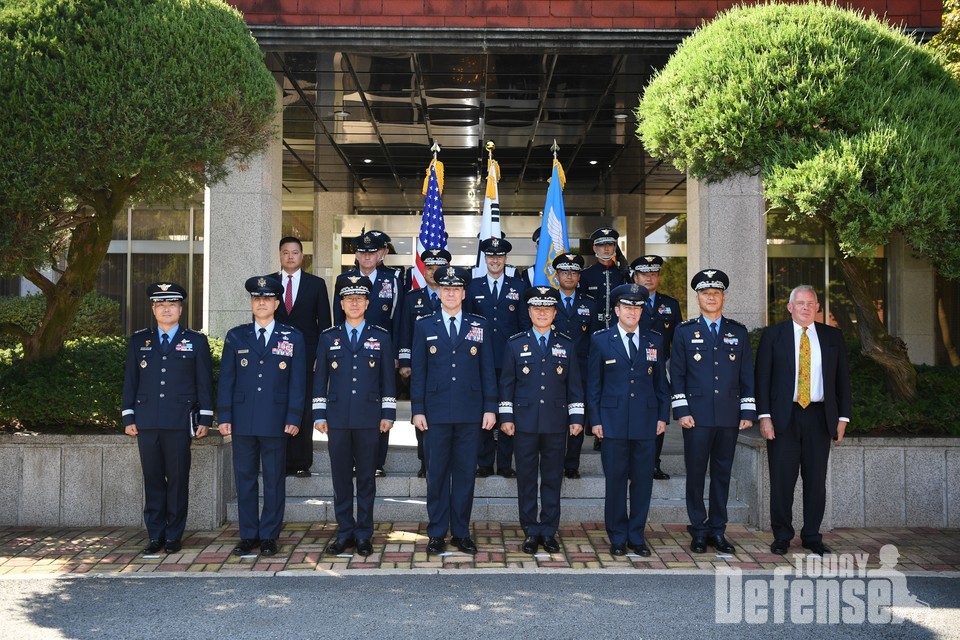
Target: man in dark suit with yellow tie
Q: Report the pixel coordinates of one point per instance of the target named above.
(803, 402)
(305, 305)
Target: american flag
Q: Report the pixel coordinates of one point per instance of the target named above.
(433, 234)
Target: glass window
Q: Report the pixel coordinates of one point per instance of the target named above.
(160, 224)
(112, 281)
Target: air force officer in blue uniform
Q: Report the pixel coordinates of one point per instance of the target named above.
(260, 402)
(628, 404)
(167, 394)
(711, 375)
(354, 401)
(541, 401)
(453, 389)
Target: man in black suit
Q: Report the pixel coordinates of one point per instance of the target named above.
(304, 305)
(803, 401)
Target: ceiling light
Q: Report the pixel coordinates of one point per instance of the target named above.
(367, 161)
(620, 116)
(342, 113)
(593, 162)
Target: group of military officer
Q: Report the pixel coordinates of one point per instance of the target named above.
(484, 355)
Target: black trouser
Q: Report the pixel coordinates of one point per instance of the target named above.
(165, 458)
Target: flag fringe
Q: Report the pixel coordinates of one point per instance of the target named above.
(560, 174)
(493, 169)
(426, 178)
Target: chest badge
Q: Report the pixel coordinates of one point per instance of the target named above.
(334, 365)
(373, 363)
(282, 365)
(143, 364)
(733, 357)
(697, 357)
(473, 350)
(526, 370)
(650, 371)
(386, 307)
(243, 362)
(433, 349)
(512, 308)
(560, 370)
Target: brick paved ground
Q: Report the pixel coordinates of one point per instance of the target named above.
(402, 546)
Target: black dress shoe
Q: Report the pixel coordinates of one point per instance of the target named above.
(779, 547)
(154, 546)
(698, 545)
(466, 545)
(817, 547)
(303, 473)
(530, 544)
(422, 473)
(364, 547)
(337, 547)
(640, 549)
(573, 474)
(658, 474)
(484, 472)
(436, 545)
(245, 546)
(380, 473)
(507, 472)
(618, 549)
(173, 546)
(721, 544)
(268, 547)
(550, 544)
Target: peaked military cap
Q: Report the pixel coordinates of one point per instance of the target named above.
(451, 277)
(568, 262)
(165, 292)
(710, 279)
(368, 242)
(632, 295)
(382, 235)
(536, 235)
(348, 285)
(604, 235)
(264, 287)
(495, 247)
(439, 257)
(647, 264)
(541, 297)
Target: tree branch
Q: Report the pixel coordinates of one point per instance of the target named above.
(41, 281)
(15, 330)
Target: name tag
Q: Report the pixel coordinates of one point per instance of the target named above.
(697, 341)
(146, 348)
(429, 338)
(243, 350)
(525, 354)
(335, 347)
(614, 361)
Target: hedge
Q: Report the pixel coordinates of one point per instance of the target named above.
(97, 315)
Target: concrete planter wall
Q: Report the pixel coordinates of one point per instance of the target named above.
(96, 480)
(871, 482)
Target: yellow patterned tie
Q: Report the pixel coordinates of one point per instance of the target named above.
(803, 378)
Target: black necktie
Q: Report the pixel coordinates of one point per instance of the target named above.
(453, 327)
(353, 338)
(713, 330)
(496, 293)
(633, 347)
(164, 343)
(543, 344)
(263, 338)
(569, 305)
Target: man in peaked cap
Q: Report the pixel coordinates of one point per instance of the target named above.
(354, 401)
(260, 403)
(711, 377)
(497, 297)
(541, 403)
(662, 315)
(577, 317)
(305, 304)
(453, 389)
(167, 398)
(417, 304)
(386, 303)
(600, 279)
(628, 405)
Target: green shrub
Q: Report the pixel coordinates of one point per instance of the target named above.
(79, 389)
(98, 315)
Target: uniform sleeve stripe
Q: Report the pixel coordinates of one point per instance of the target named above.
(405, 352)
(388, 403)
(678, 403)
(127, 412)
(506, 405)
(748, 405)
(678, 396)
(206, 412)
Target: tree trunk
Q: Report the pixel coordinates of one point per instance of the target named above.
(951, 348)
(88, 248)
(888, 351)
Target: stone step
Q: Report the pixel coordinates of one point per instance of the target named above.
(387, 509)
(409, 486)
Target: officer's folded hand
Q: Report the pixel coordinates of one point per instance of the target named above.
(489, 420)
(507, 428)
(130, 430)
(420, 422)
(320, 425)
(386, 425)
(745, 424)
(225, 428)
(576, 429)
(687, 422)
(201, 432)
(661, 427)
(597, 430)
(291, 429)
(405, 372)
(766, 428)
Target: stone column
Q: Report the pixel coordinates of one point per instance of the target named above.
(241, 230)
(727, 230)
(912, 302)
(327, 207)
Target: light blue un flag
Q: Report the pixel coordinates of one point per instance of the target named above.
(553, 232)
